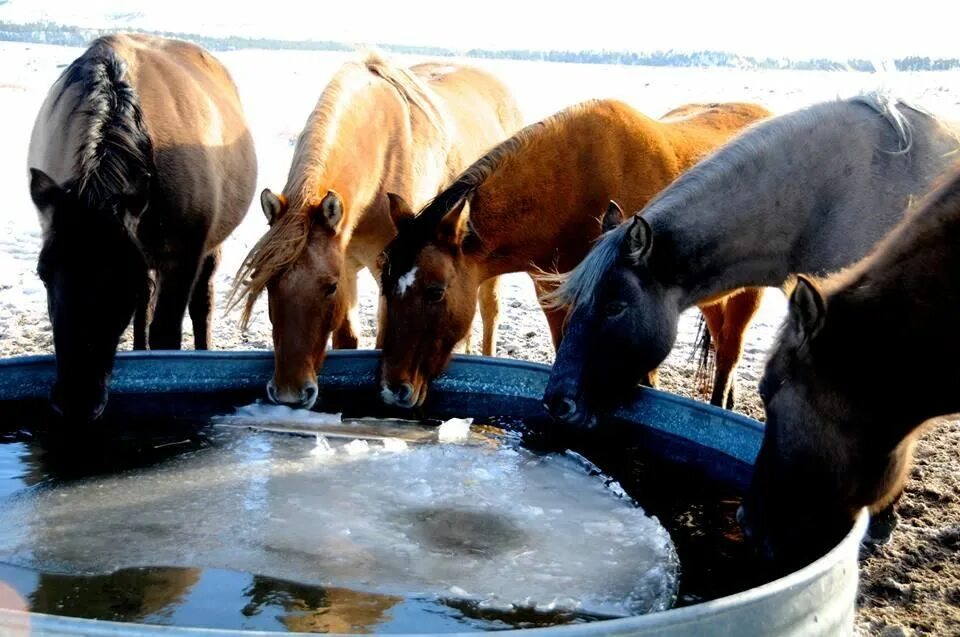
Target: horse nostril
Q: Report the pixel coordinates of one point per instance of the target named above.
(272, 392)
(564, 408)
(404, 392)
(309, 394)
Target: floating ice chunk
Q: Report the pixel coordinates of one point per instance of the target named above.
(323, 448)
(454, 430)
(357, 447)
(260, 415)
(394, 445)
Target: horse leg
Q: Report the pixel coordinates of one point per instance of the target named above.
(345, 335)
(555, 318)
(737, 312)
(175, 283)
(490, 313)
(143, 314)
(202, 301)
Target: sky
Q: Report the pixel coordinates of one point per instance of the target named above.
(797, 28)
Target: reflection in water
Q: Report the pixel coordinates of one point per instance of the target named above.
(129, 595)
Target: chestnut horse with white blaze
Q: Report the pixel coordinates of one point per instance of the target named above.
(533, 204)
(376, 128)
(141, 165)
(842, 416)
(807, 192)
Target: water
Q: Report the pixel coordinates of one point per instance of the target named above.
(263, 532)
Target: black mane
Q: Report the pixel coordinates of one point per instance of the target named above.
(116, 155)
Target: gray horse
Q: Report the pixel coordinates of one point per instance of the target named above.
(808, 192)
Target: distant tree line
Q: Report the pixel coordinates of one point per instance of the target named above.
(51, 33)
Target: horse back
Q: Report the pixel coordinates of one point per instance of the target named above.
(697, 129)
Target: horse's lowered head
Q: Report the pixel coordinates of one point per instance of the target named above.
(299, 262)
(94, 273)
(830, 447)
(430, 294)
(621, 326)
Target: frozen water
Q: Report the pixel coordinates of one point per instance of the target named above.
(454, 430)
(259, 413)
(492, 523)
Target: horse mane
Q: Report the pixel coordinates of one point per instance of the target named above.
(319, 134)
(403, 250)
(115, 154)
(287, 238)
(577, 287)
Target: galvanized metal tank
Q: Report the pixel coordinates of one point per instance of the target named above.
(816, 600)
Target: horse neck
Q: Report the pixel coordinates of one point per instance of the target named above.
(761, 208)
(346, 148)
(898, 308)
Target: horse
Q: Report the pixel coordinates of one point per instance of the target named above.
(535, 203)
(376, 128)
(807, 192)
(135, 192)
(842, 418)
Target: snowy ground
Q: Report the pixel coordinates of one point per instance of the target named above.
(280, 88)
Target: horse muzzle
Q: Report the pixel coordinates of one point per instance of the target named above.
(303, 398)
(79, 406)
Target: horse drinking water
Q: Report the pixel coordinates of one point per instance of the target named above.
(842, 412)
(140, 162)
(532, 204)
(807, 192)
(377, 128)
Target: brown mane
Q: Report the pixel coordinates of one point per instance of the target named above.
(404, 249)
(287, 238)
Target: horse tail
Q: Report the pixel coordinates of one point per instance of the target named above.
(703, 352)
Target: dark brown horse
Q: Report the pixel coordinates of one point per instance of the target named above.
(842, 412)
(377, 128)
(141, 164)
(536, 203)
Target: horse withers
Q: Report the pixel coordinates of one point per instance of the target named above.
(808, 192)
(842, 416)
(141, 164)
(377, 128)
(535, 204)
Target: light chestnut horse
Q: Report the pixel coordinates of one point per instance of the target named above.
(536, 203)
(377, 128)
(141, 164)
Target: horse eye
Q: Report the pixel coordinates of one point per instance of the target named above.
(614, 308)
(435, 293)
(330, 289)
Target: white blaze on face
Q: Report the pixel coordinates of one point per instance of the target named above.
(404, 282)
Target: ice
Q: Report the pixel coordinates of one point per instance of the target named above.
(357, 447)
(498, 525)
(454, 430)
(258, 413)
(395, 445)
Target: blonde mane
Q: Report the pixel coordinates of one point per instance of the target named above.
(287, 238)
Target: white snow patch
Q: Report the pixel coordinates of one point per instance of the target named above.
(454, 430)
(404, 282)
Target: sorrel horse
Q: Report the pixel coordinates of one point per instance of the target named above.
(807, 192)
(535, 203)
(841, 414)
(377, 128)
(132, 185)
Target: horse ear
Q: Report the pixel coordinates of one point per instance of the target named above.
(400, 211)
(330, 211)
(638, 241)
(612, 218)
(456, 227)
(808, 309)
(273, 205)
